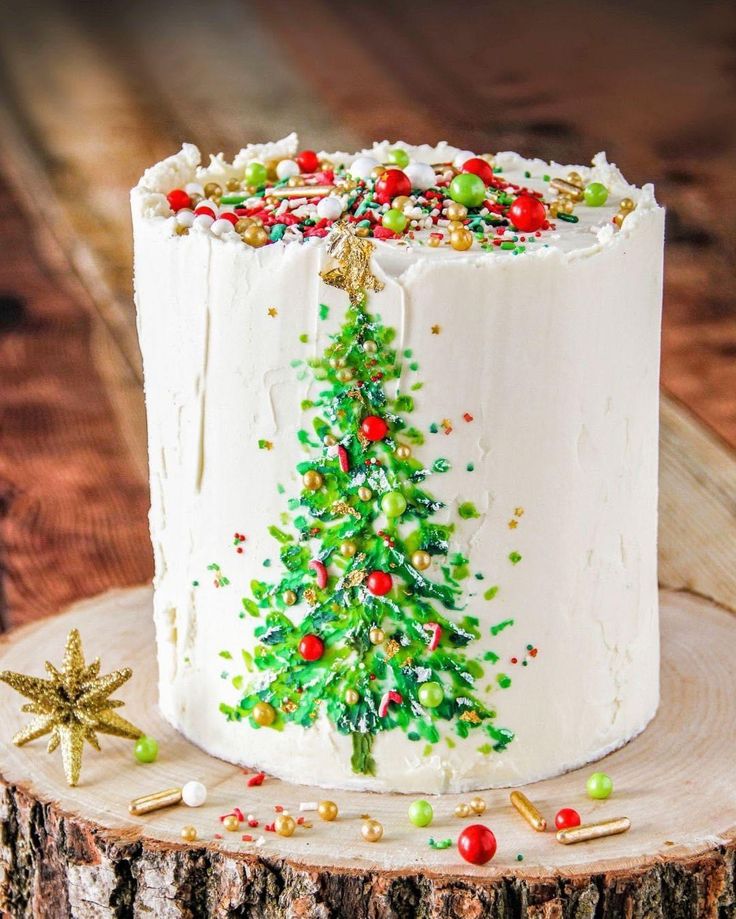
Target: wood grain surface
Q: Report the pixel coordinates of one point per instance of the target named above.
(92, 95)
(94, 859)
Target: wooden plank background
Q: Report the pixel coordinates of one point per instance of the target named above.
(90, 95)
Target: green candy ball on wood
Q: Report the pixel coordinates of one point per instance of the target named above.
(421, 813)
(146, 749)
(599, 786)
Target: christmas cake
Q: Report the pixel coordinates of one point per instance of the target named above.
(402, 417)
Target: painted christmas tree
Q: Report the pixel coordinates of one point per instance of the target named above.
(379, 644)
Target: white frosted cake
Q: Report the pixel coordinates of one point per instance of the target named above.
(402, 417)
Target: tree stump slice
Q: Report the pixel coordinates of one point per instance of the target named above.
(77, 852)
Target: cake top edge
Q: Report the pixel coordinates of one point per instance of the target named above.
(408, 196)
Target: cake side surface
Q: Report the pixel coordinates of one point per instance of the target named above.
(532, 383)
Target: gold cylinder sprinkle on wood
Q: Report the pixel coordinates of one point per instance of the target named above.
(528, 811)
(155, 801)
(587, 831)
(567, 188)
(300, 191)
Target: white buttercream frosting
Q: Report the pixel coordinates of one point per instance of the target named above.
(553, 352)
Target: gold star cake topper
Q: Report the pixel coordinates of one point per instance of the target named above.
(353, 256)
(73, 706)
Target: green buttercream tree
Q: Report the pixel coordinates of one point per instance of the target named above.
(382, 640)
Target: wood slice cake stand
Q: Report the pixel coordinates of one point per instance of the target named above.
(77, 851)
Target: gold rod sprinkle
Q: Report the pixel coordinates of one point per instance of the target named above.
(588, 831)
(528, 811)
(299, 191)
(155, 801)
(567, 188)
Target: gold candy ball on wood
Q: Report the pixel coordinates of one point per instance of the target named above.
(327, 810)
(231, 823)
(477, 805)
(421, 560)
(312, 480)
(284, 825)
(188, 833)
(372, 830)
(462, 810)
(263, 713)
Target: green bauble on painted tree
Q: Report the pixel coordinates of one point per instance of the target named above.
(383, 644)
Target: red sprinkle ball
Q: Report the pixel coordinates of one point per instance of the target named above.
(379, 583)
(527, 213)
(374, 428)
(476, 844)
(480, 167)
(307, 161)
(566, 818)
(311, 647)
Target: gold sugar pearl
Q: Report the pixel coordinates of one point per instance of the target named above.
(293, 181)
(402, 452)
(182, 231)
(312, 480)
(344, 375)
(231, 823)
(370, 347)
(348, 548)
(434, 241)
(400, 202)
(455, 225)
(626, 205)
(362, 231)
(378, 171)
(263, 713)
(188, 833)
(352, 697)
(243, 223)
(329, 440)
(376, 635)
(462, 810)
(421, 560)
(284, 825)
(456, 211)
(574, 178)
(289, 597)
(461, 240)
(372, 830)
(233, 185)
(477, 805)
(364, 493)
(337, 362)
(327, 810)
(212, 190)
(567, 206)
(255, 236)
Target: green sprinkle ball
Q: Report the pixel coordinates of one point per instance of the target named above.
(399, 157)
(394, 220)
(146, 749)
(421, 813)
(393, 504)
(599, 786)
(431, 694)
(595, 194)
(468, 189)
(256, 174)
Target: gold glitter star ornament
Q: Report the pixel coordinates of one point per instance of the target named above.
(74, 705)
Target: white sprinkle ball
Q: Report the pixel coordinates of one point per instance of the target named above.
(308, 806)
(185, 217)
(203, 221)
(462, 157)
(285, 169)
(362, 167)
(194, 188)
(194, 794)
(421, 175)
(222, 227)
(330, 208)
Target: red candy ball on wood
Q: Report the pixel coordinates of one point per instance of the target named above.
(374, 428)
(566, 818)
(178, 199)
(307, 161)
(311, 647)
(527, 213)
(480, 168)
(391, 184)
(379, 583)
(476, 844)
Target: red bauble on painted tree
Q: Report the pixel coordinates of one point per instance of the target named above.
(391, 184)
(311, 647)
(480, 167)
(379, 583)
(373, 428)
(527, 213)
(476, 844)
(307, 161)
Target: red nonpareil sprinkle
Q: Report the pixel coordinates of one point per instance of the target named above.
(300, 820)
(239, 550)
(514, 660)
(217, 836)
(533, 652)
(467, 417)
(239, 814)
(256, 779)
(246, 837)
(253, 823)
(270, 827)
(279, 808)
